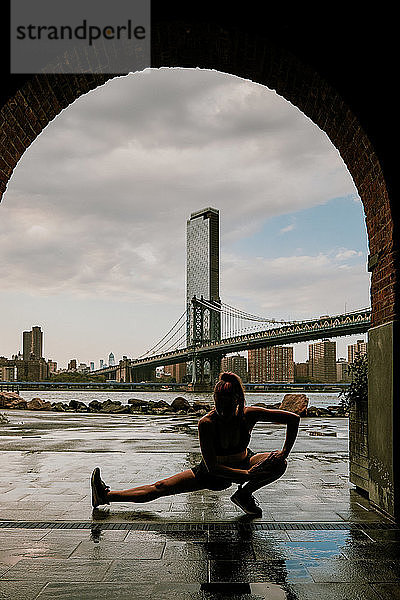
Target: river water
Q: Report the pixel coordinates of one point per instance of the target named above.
(321, 400)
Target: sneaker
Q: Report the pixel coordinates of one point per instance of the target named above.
(99, 489)
(246, 502)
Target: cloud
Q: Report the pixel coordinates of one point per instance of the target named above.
(97, 206)
(344, 254)
(287, 228)
(122, 168)
(295, 287)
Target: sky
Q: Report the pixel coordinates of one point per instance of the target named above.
(93, 222)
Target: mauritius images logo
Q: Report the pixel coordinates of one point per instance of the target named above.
(83, 36)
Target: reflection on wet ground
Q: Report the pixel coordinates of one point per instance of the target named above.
(317, 537)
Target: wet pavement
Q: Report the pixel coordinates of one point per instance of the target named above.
(317, 537)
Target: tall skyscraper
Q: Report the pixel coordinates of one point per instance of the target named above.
(32, 344)
(111, 359)
(360, 347)
(322, 361)
(273, 363)
(202, 268)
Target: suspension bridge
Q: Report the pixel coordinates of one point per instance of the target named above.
(208, 330)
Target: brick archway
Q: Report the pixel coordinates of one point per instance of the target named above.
(231, 50)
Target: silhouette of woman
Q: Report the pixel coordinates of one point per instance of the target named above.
(224, 435)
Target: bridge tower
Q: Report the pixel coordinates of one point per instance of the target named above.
(202, 282)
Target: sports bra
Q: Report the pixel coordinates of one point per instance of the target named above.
(244, 438)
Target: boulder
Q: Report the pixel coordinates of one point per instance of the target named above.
(180, 404)
(3, 419)
(314, 411)
(121, 410)
(19, 404)
(202, 406)
(137, 402)
(7, 397)
(59, 406)
(263, 405)
(161, 404)
(78, 406)
(338, 411)
(296, 403)
(111, 406)
(323, 432)
(38, 404)
(94, 406)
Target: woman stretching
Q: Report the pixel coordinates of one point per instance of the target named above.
(224, 434)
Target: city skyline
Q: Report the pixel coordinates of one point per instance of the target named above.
(94, 265)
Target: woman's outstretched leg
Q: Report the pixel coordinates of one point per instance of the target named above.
(177, 484)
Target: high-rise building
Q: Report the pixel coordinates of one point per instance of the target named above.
(235, 364)
(202, 269)
(101, 363)
(92, 366)
(32, 344)
(273, 363)
(52, 366)
(360, 347)
(342, 371)
(177, 371)
(111, 359)
(301, 371)
(72, 365)
(322, 361)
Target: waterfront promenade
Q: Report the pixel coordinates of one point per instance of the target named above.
(317, 537)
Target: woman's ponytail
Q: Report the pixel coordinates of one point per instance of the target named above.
(230, 383)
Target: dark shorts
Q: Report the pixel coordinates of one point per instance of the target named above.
(212, 482)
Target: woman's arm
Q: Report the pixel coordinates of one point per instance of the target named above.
(206, 438)
(284, 417)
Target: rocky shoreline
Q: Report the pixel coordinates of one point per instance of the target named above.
(180, 406)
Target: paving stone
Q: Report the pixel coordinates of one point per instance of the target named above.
(298, 550)
(378, 551)
(19, 590)
(49, 569)
(157, 571)
(123, 550)
(306, 516)
(387, 591)
(175, 550)
(82, 535)
(328, 535)
(16, 538)
(384, 535)
(4, 568)
(41, 549)
(344, 570)
(332, 591)
(171, 591)
(103, 591)
(262, 571)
